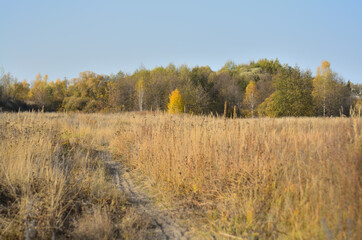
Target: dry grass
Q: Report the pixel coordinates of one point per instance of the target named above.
(289, 178)
(292, 178)
(96, 225)
(53, 180)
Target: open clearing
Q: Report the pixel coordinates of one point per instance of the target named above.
(159, 176)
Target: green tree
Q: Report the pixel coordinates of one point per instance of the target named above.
(199, 77)
(58, 92)
(159, 83)
(266, 108)
(195, 87)
(176, 104)
(269, 66)
(293, 95)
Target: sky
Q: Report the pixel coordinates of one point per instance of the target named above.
(64, 38)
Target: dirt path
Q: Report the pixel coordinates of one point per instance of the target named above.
(160, 223)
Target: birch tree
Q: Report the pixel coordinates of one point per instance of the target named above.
(330, 93)
(251, 97)
(140, 92)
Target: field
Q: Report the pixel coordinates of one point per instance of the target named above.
(286, 178)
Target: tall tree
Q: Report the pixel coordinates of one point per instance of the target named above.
(251, 97)
(195, 98)
(20, 91)
(140, 92)
(321, 84)
(293, 95)
(58, 92)
(87, 93)
(121, 93)
(330, 93)
(5, 82)
(157, 88)
(38, 93)
(228, 90)
(175, 104)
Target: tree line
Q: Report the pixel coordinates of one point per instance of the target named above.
(262, 88)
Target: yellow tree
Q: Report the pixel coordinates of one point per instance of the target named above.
(176, 104)
(320, 83)
(38, 93)
(329, 91)
(251, 97)
(20, 91)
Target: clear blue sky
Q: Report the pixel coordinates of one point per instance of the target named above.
(65, 37)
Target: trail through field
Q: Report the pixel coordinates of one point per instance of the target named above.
(160, 225)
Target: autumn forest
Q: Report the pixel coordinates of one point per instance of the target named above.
(261, 88)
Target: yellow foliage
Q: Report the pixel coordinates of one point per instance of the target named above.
(176, 104)
(325, 64)
(140, 85)
(250, 89)
(251, 97)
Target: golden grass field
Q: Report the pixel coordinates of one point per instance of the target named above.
(287, 178)
(52, 181)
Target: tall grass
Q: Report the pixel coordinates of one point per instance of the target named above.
(289, 178)
(53, 179)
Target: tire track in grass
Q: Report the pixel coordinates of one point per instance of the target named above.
(161, 224)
